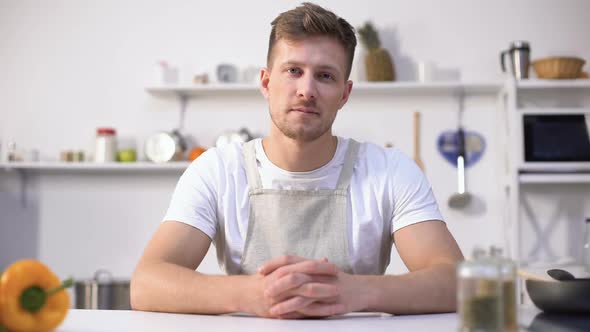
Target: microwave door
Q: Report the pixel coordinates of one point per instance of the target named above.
(557, 138)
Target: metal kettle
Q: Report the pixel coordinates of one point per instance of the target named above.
(519, 53)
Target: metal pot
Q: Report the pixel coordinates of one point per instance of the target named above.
(241, 136)
(102, 292)
(164, 147)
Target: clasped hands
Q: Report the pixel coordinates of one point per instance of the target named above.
(291, 287)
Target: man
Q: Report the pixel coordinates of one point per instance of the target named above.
(303, 221)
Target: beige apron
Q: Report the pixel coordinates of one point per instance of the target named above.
(306, 223)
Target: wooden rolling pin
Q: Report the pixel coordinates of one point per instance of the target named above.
(417, 158)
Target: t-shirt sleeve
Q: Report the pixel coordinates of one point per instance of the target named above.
(194, 200)
(414, 200)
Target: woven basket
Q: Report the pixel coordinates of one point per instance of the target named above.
(558, 67)
(379, 66)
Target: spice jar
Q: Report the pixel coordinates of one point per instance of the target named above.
(479, 294)
(106, 145)
(508, 281)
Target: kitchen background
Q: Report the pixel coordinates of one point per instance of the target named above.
(68, 67)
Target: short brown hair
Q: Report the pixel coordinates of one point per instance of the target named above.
(309, 20)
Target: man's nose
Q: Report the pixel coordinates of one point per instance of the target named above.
(306, 87)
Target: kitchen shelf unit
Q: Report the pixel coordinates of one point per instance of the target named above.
(94, 167)
(521, 173)
(185, 92)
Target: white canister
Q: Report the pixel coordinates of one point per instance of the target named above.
(106, 145)
(426, 71)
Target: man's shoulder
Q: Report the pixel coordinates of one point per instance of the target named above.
(223, 158)
(231, 152)
(376, 156)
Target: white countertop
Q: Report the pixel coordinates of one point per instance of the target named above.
(123, 320)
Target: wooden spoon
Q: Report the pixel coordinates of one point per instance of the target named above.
(528, 275)
(417, 158)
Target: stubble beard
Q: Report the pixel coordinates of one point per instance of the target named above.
(302, 133)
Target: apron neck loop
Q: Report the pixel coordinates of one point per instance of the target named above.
(255, 182)
(347, 168)
(252, 174)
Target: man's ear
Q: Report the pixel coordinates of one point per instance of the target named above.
(264, 80)
(345, 93)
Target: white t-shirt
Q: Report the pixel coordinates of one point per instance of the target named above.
(386, 189)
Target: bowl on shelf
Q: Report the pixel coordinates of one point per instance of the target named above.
(558, 67)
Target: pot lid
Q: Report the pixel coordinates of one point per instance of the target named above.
(103, 277)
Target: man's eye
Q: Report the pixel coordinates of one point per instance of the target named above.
(293, 71)
(326, 76)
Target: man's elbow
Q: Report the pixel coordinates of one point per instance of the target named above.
(137, 291)
(449, 291)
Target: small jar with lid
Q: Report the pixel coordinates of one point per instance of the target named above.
(479, 294)
(106, 145)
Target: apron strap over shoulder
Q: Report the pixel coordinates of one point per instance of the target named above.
(249, 150)
(347, 168)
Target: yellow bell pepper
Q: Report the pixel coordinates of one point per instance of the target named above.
(32, 297)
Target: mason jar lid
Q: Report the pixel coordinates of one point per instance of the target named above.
(106, 131)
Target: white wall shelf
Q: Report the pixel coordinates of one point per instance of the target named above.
(202, 90)
(94, 167)
(536, 84)
(555, 178)
(554, 110)
(361, 88)
(554, 167)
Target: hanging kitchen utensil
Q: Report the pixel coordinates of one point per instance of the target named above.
(475, 146)
(417, 157)
(461, 198)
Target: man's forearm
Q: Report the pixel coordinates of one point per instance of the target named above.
(168, 287)
(429, 290)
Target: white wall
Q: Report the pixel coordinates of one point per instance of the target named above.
(67, 67)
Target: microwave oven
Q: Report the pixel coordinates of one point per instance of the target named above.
(556, 142)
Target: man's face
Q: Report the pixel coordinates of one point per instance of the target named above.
(305, 86)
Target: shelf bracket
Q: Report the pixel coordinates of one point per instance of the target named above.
(183, 104)
(24, 183)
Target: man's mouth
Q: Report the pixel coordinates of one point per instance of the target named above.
(305, 110)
